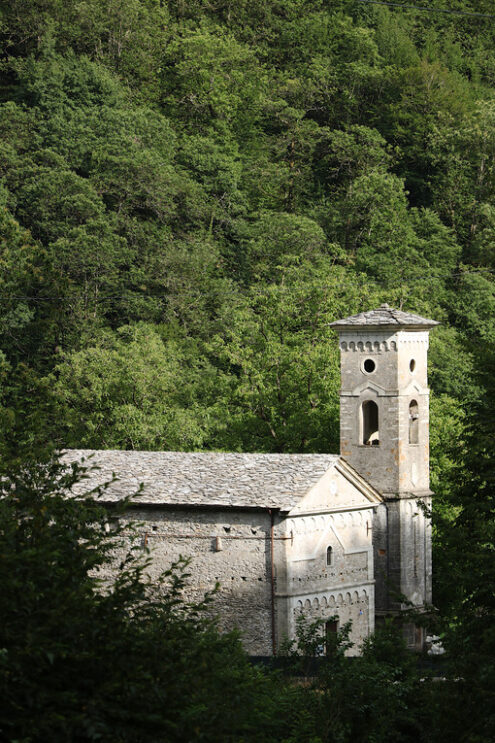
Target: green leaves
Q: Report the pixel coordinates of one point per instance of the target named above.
(279, 349)
(132, 390)
(96, 658)
(210, 79)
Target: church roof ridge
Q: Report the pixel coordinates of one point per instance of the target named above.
(384, 316)
(221, 479)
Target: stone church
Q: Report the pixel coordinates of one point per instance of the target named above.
(335, 537)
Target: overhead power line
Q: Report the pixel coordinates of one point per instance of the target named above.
(427, 10)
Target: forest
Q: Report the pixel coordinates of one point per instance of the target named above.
(191, 191)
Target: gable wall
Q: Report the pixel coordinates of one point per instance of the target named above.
(345, 588)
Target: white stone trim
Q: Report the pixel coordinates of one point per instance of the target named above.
(338, 509)
(373, 341)
(363, 588)
(368, 385)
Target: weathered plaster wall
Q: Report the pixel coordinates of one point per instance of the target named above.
(345, 588)
(228, 547)
(233, 548)
(355, 606)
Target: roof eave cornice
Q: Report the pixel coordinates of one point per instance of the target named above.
(352, 476)
(364, 328)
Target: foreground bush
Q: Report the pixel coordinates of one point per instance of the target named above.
(82, 659)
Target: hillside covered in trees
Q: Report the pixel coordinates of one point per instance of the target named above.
(192, 190)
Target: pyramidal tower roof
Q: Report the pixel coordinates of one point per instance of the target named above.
(384, 317)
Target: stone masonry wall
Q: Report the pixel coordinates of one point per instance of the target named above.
(402, 543)
(231, 548)
(398, 378)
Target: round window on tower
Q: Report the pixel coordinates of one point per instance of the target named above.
(412, 365)
(369, 366)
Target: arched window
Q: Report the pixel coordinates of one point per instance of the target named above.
(329, 556)
(413, 422)
(369, 412)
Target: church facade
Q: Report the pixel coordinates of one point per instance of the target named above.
(334, 537)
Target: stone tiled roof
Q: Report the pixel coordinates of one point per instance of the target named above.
(204, 478)
(384, 316)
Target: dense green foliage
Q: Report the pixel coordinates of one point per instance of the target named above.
(85, 659)
(190, 191)
(216, 184)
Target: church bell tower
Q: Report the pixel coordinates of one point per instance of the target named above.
(384, 435)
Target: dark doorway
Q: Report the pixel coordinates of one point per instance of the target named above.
(331, 629)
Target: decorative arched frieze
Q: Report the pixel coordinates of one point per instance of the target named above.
(369, 345)
(318, 604)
